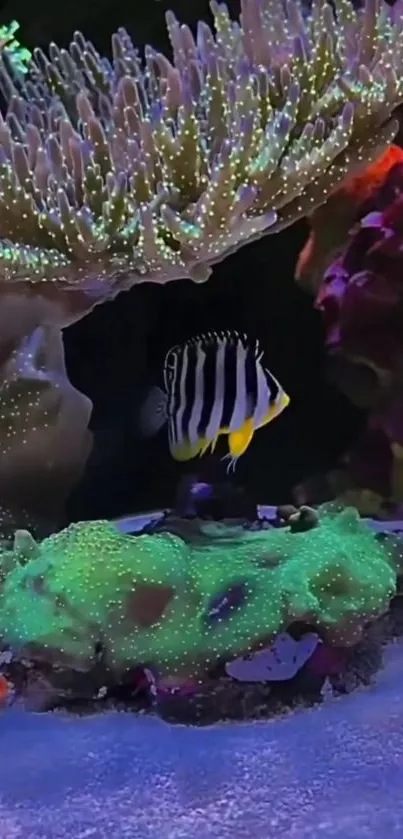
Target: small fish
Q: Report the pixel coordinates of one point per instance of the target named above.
(215, 384)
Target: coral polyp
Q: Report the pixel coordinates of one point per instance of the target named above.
(18, 55)
(150, 170)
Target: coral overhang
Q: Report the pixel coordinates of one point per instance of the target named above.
(132, 170)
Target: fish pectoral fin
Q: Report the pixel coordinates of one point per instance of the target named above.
(153, 412)
(238, 441)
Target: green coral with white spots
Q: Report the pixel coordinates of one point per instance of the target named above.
(158, 599)
(18, 55)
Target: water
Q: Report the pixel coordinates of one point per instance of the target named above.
(329, 773)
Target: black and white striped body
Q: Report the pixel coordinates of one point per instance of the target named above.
(215, 385)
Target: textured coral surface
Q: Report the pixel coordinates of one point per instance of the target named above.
(360, 296)
(177, 604)
(122, 171)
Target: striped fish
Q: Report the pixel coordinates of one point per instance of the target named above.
(215, 384)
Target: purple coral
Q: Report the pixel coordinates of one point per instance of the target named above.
(361, 300)
(362, 294)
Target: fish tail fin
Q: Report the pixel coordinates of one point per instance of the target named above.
(153, 412)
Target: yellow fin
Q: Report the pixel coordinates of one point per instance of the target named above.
(214, 442)
(238, 441)
(206, 444)
(204, 447)
(187, 450)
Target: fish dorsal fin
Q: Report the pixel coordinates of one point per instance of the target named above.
(206, 339)
(210, 339)
(272, 378)
(228, 335)
(259, 353)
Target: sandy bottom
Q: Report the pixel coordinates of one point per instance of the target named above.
(332, 773)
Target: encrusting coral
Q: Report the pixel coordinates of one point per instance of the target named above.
(181, 606)
(114, 173)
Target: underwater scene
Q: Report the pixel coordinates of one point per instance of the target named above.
(201, 481)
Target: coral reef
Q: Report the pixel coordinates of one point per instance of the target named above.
(44, 439)
(181, 605)
(113, 173)
(361, 300)
(122, 172)
(331, 224)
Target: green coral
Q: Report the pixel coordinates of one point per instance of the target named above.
(19, 56)
(152, 598)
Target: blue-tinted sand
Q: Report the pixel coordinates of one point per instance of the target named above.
(332, 773)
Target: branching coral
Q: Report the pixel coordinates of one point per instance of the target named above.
(113, 173)
(123, 172)
(180, 605)
(44, 438)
